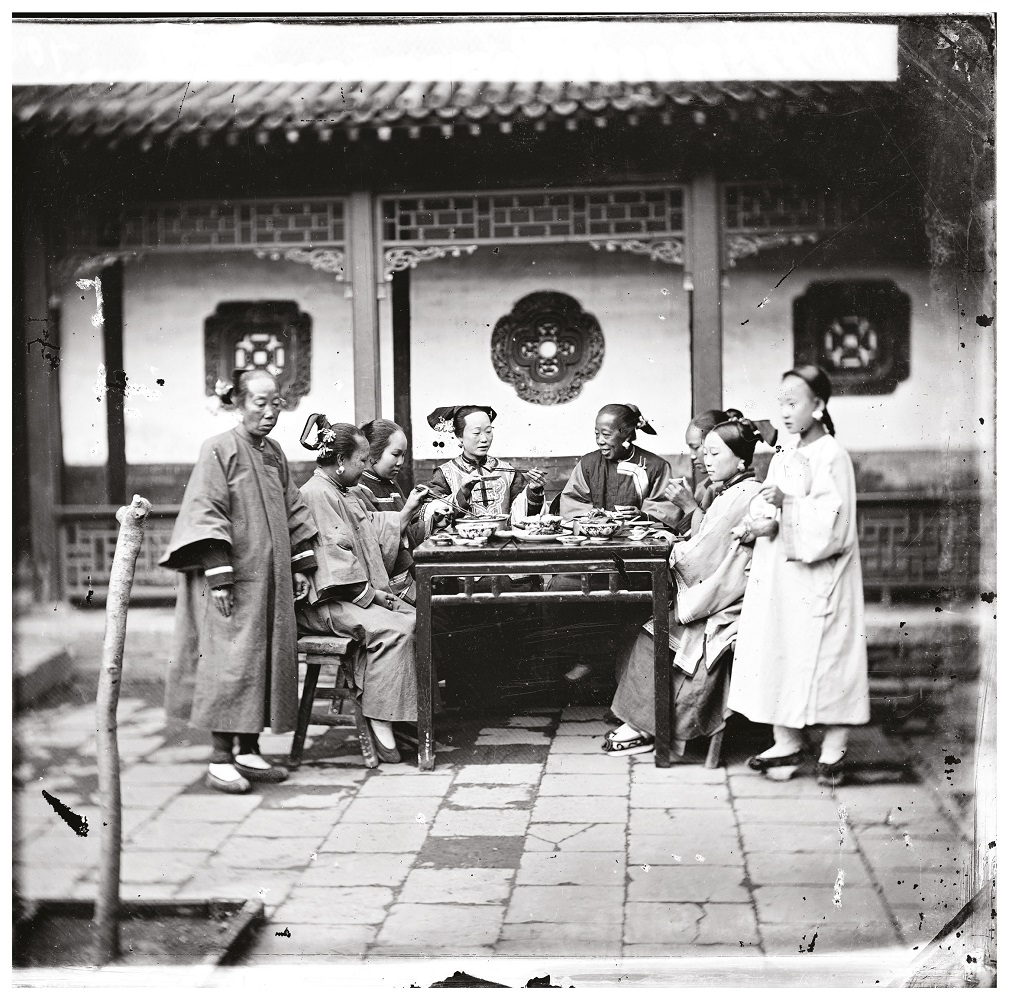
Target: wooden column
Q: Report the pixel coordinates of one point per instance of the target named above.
(41, 343)
(705, 261)
(115, 381)
(401, 369)
(362, 247)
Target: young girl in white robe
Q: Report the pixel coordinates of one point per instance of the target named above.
(801, 650)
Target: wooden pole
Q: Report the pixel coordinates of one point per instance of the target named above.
(364, 276)
(706, 301)
(131, 535)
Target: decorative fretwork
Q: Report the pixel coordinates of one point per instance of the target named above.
(547, 347)
(87, 546)
(273, 336)
(328, 260)
(202, 225)
(740, 245)
(662, 251)
(783, 208)
(559, 216)
(401, 258)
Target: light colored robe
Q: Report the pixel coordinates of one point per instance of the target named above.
(357, 545)
(237, 674)
(801, 647)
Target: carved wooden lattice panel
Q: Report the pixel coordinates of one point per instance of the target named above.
(88, 546)
(540, 216)
(206, 224)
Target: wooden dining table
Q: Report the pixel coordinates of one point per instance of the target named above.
(617, 559)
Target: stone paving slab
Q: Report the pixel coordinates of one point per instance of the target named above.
(684, 824)
(480, 823)
(572, 868)
(558, 903)
(812, 904)
(785, 868)
(684, 884)
(281, 941)
(645, 772)
(460, 885)
(657, 849)
(577, 763)
(342, 904)
(598, 784)
(575, 837)
(491, 796)
(395, 809)
(499, 774)
(830, 939)
(431, 928)
(821, 838)
(375, 838)
(356, 869)
(583, 808)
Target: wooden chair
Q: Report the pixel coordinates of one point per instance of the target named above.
(332, 653)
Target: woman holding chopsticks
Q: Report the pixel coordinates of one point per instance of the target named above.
(475, 482)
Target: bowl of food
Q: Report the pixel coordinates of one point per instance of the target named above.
(482, 527)
(599, 528)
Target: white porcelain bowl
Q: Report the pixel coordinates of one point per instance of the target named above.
(482, 528)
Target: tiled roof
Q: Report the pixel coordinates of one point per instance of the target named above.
(149, 111)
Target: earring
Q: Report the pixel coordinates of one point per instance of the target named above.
(742, 465)
(817, 414)
(339, 470)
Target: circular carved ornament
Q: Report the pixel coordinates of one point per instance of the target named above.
(547, 347)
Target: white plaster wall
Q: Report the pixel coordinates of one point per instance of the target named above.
(166, 299)
(640, 305)
(934, 409)
(82, 406)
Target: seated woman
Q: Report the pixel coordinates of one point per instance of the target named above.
(476, 482)
(710, 571)
(619, 473)
(380, 491)
(351, 591)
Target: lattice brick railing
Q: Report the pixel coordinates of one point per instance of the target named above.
(559, 215)
(910, 545)
(88, 543)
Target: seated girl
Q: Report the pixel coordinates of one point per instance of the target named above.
(351, 592)
(380, 491)
(709, 572)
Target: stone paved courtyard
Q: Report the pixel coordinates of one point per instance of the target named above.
(526, 841)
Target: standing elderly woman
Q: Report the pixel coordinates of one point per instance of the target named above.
(243, 542)
(351, 592)
(619, 473)
(475, 482)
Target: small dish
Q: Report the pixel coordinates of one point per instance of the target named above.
(571, 541)
(476, 528)
(530, 536)
(470, 543)
(441, 539)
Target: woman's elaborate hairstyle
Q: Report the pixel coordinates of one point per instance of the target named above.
(332, 441)
(629, 419)
(379, 432)
(819, 385)
(446, 418)
(233, 393)
(740, 434)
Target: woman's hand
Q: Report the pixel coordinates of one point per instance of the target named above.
(300, 586)
(386, 600)
(772, 495)
(537, 479)
(224, 599)
(679, 493)
(415, 498)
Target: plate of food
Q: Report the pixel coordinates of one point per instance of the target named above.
(536, 536)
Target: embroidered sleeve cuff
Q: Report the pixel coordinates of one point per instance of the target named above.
(304, 562)
(367, 595)
(220, 576)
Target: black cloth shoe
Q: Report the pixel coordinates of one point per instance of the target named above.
(388, 755)
(831, 775)
(761, 764)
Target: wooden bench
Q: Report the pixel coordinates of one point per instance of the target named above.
(332, 653)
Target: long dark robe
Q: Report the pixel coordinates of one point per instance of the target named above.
(360, 546)
(236, 674)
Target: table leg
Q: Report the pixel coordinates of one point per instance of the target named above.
(663, 705)
(425, 673)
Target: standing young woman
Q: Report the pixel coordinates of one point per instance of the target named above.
(351, 591)
(243, 542)
(801, 652)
